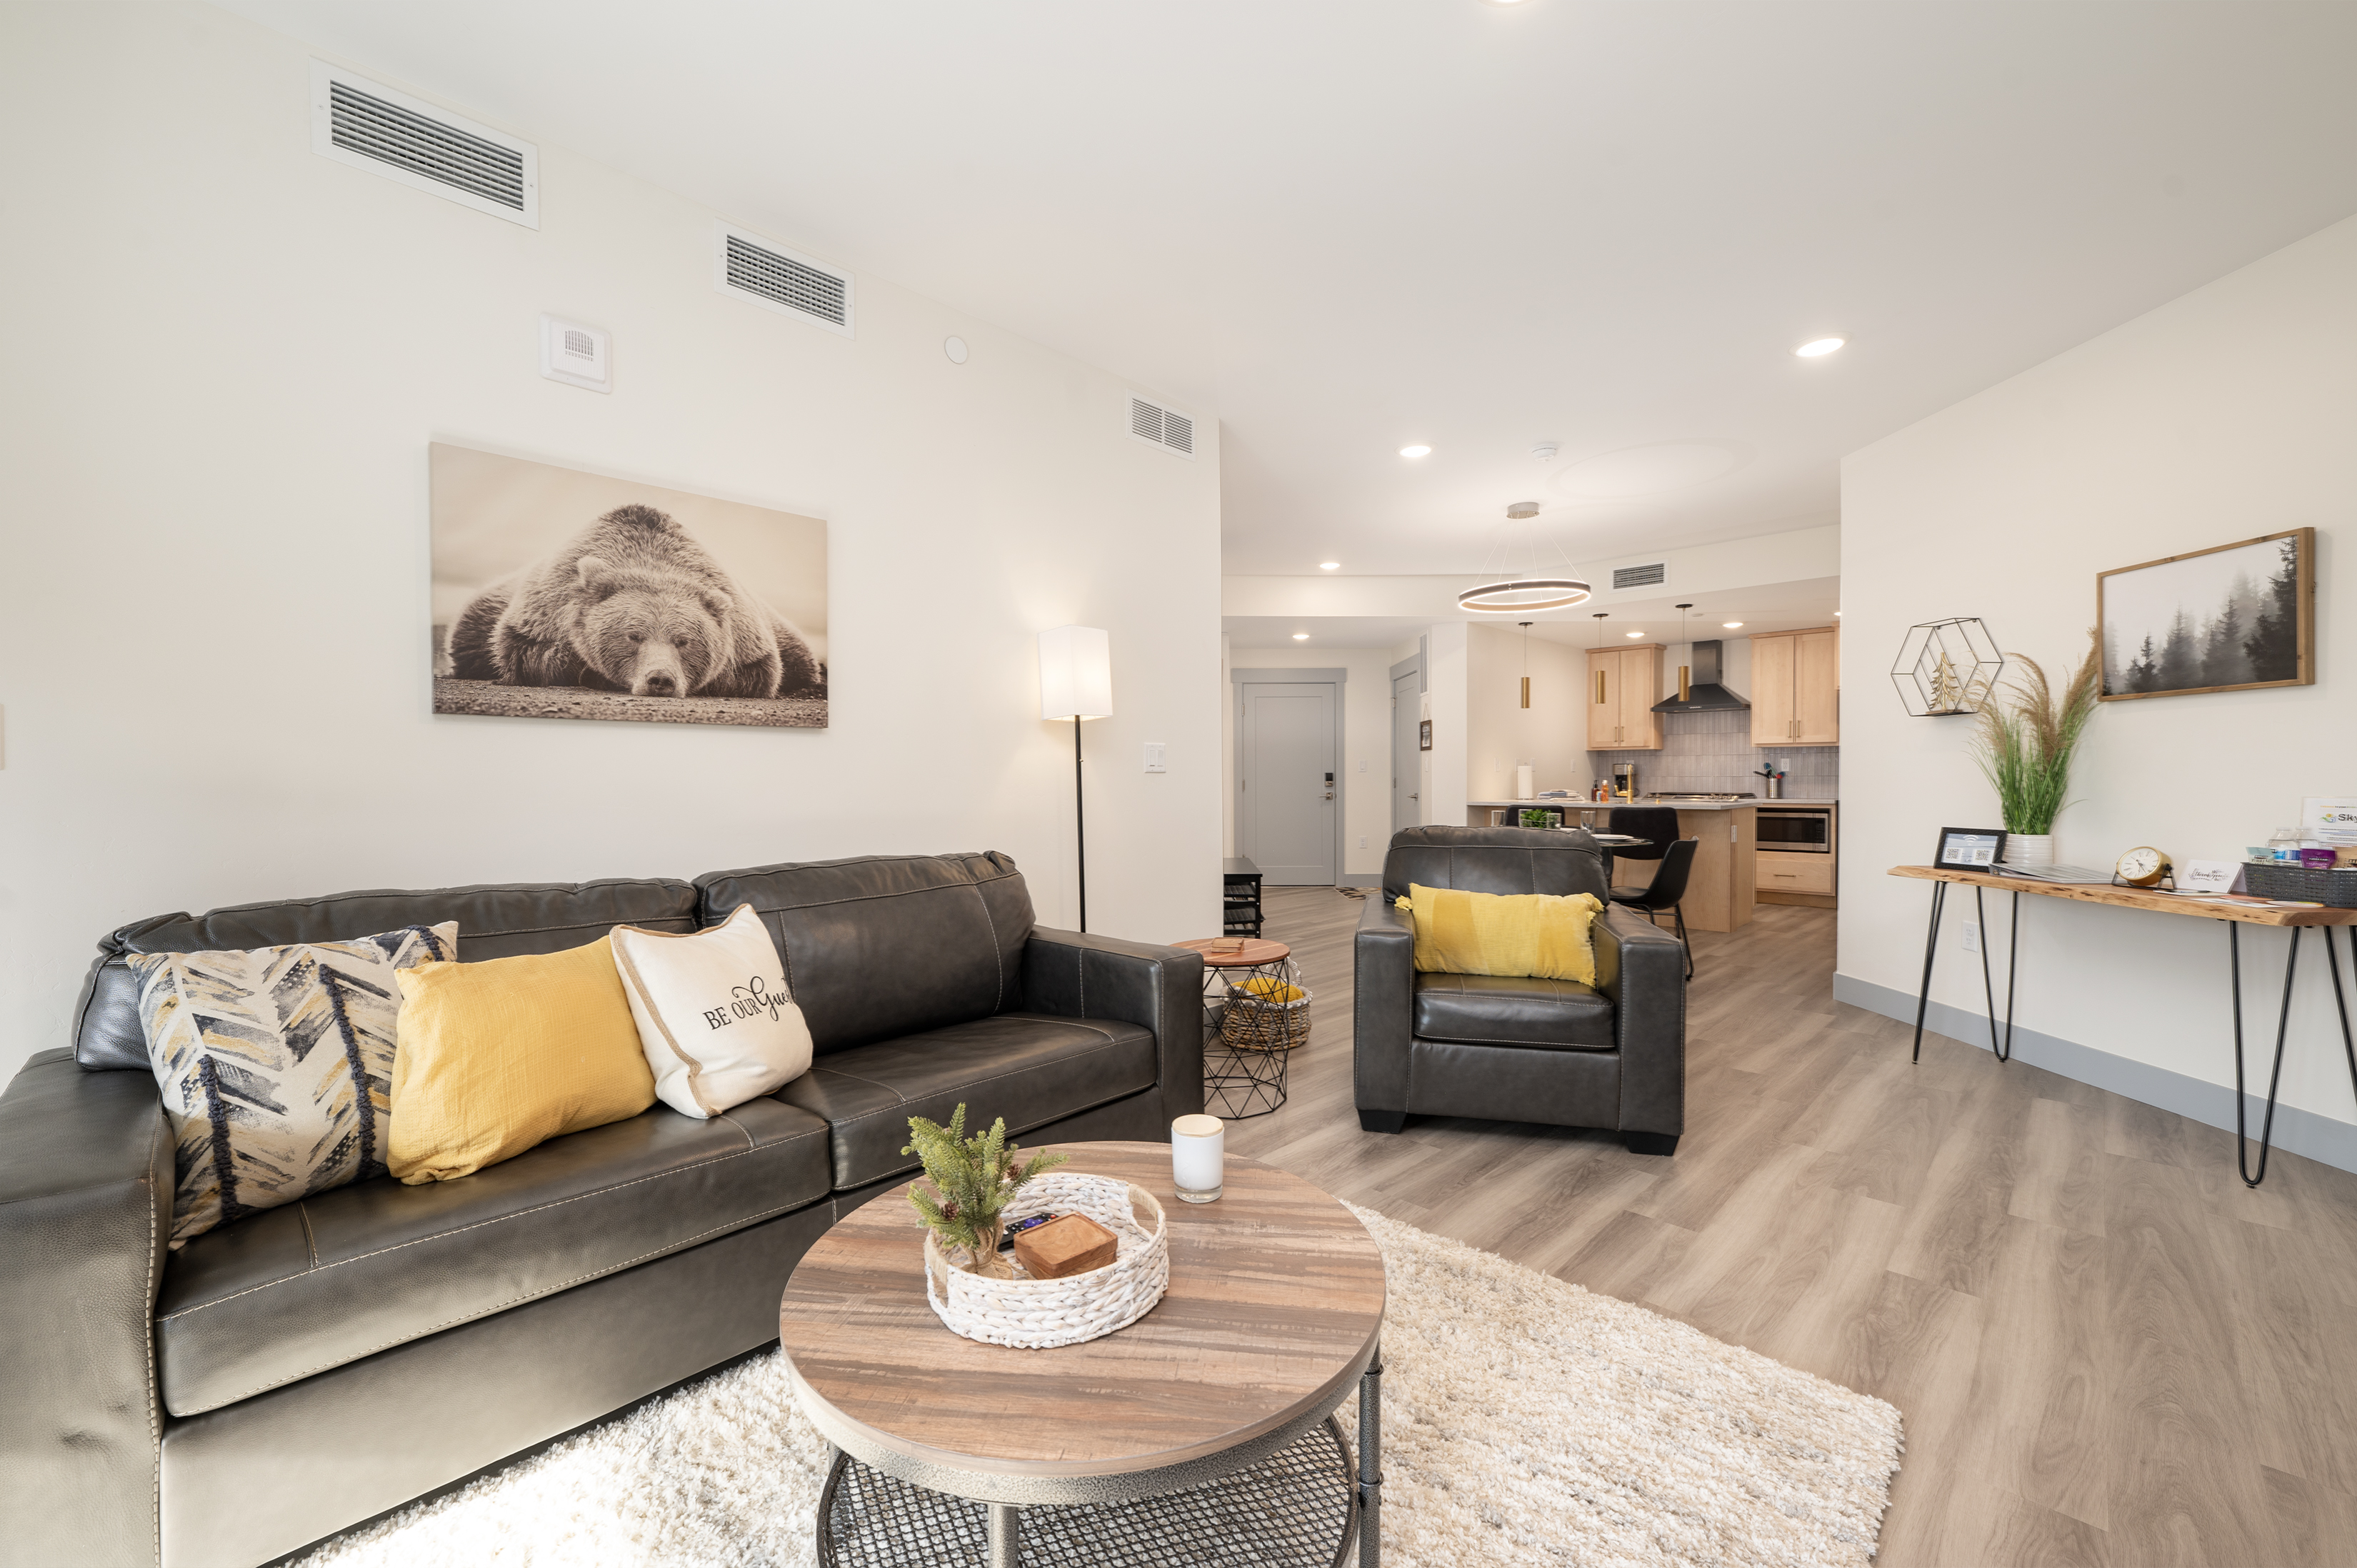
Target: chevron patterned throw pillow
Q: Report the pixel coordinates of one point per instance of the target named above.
(276, 1066)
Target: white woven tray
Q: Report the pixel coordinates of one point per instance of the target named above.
(1038, 1315)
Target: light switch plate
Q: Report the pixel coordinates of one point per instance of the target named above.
(1153, 763)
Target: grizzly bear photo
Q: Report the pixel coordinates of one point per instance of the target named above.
(565, 594)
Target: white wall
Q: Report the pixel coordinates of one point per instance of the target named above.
(226, 358)
(2225, 414)
(1551, 733)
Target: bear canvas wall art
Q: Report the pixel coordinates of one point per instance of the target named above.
(559, 594)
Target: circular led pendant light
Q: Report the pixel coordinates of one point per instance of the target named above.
(1523, 593)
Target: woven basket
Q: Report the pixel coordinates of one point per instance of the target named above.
(2333, 887)
(1248, 1023)
(1038, 1315)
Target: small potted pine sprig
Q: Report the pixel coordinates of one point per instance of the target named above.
(972, 1180)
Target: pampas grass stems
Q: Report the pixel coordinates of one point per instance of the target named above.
(2026, 741)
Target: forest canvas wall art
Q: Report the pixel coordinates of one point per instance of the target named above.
(560, 594)
(2227, 619)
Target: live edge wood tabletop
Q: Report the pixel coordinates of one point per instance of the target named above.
(2135, 898)
(1275, 1306)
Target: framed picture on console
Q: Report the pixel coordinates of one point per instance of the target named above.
(1970, 849)
(563, 595)
(2236, 617)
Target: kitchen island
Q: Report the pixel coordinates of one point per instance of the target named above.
(1721, 891)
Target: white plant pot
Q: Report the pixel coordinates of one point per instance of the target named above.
(2029, 849)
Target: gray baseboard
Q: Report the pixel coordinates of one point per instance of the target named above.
(2320, 1138)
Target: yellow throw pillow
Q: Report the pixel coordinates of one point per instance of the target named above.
(1520, 934)
(494, 1057)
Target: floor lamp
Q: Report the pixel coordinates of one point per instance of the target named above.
(1076, 683)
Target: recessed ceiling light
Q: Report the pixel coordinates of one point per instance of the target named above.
(1636, 634)
(1731, 625)
(1300, 637)
(1329, 566)
(1417, 451)
(1819, 349)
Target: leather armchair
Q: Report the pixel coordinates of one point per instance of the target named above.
(1551, 1051)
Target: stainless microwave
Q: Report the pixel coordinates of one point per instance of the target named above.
(1796, 830)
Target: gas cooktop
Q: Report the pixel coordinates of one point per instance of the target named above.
(1698, 795)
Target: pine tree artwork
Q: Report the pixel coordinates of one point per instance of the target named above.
(2225, 620)
(1947, 691)
(972, 1180)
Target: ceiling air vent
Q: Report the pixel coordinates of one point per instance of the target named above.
(784, 281)
(1653, 574)
(1160, 426)
(367, 124)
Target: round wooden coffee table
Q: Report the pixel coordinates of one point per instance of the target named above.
(1201, 1430)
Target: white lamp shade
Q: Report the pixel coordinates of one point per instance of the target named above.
(1075, 673)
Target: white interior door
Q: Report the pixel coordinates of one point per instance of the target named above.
(1289, 788)
(1407, 757)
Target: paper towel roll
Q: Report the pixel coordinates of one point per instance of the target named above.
(1522, 790)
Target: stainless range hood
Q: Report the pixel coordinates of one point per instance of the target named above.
(1704, 694)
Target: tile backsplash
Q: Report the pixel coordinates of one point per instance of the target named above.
(1712, 753)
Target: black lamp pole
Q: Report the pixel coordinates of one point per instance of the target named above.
(1080, 824)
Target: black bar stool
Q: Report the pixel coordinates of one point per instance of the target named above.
(1667, 890)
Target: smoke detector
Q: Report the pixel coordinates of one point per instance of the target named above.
(1545, 451)
(1521, 509)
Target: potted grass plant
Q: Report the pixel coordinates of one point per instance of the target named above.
(2027, 737)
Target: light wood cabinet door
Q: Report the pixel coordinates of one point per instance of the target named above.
(1816, 688)
(1641, 688)
(1603, 699)
(1772, 659)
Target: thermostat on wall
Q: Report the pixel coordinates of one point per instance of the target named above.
(576, 355)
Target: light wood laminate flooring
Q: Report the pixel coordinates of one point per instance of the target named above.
(2106, 1349)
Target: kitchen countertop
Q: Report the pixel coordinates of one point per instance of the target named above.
(1578, 805)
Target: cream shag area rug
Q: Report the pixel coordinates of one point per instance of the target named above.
(1526, 1421)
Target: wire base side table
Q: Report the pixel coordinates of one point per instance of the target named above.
(1296, 1508)
(1240, 1081)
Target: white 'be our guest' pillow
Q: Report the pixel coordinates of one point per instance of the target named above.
(716, 1017)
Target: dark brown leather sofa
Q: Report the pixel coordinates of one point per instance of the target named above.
(284, 1376)
(1551, 1051)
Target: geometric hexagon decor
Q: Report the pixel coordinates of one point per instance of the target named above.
(1946, 668)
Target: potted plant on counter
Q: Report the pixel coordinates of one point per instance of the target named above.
(2027, 739)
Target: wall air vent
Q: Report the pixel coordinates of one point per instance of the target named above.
(775, 278)
(1160, 426)
(1653, 574)
(367, 124)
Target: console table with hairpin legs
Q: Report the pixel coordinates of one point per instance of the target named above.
(2235, 916)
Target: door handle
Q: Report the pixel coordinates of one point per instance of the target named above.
(1329, 794)
(1414, 796)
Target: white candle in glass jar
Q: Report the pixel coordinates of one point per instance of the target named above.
(1198, 1152)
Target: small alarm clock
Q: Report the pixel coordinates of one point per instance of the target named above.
(2143, 866)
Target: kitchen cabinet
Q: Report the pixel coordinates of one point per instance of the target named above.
(1624, 684)
(1796, 687)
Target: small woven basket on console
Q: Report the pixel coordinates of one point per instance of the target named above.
(1273, 1018)
(1038, 1315)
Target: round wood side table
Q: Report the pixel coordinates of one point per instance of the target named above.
(1203, 1432)
(1240, 1081)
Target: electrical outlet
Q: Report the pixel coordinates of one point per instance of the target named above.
(1363, 841)
(1153, 763)
(1362, 766)
(1971, 938)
